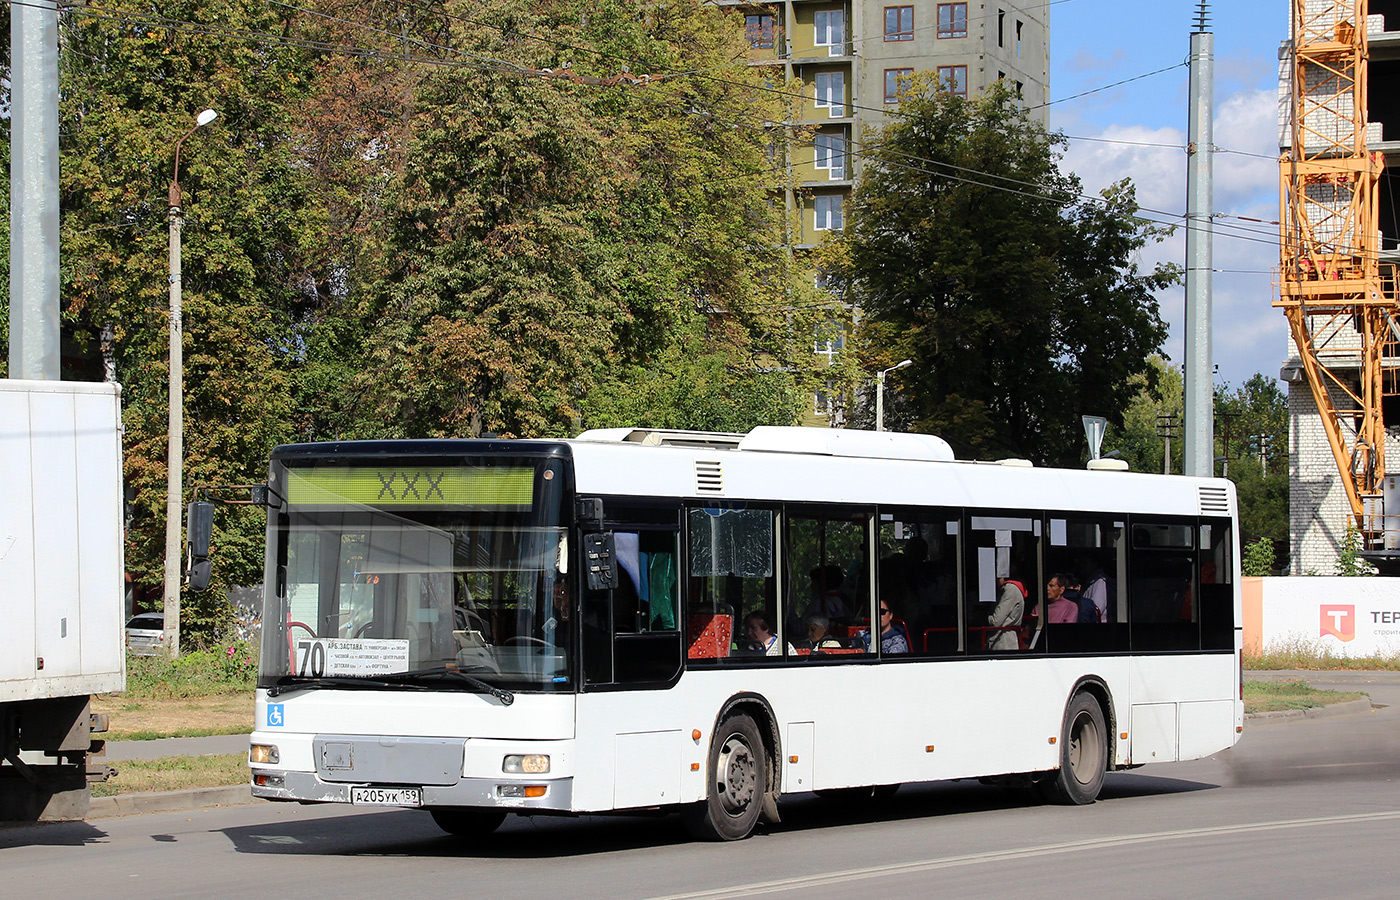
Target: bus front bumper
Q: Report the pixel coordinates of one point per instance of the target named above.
(308, 787)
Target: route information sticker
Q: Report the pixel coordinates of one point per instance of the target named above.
(344, 656)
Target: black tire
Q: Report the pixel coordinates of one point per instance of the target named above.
(467, 822)
(738, 778)
(1083, 755)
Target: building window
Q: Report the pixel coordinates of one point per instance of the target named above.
(759, 29)
(894, 80)
(899, 23)
(953, 79)
(821, 402)
(831, 92)
(828, 207)
(830, 339)
(1001, 28)
(952, 20)
(1018, 39)
(831, 154)
(831, 30)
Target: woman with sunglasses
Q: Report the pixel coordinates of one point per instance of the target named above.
(893, 638)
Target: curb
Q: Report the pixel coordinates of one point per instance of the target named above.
(169, 801)
(1349, 708)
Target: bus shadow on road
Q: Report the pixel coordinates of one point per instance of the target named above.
(413, 834)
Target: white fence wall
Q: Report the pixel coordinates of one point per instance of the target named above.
(1340, 616)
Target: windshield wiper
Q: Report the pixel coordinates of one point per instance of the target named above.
(392, 680)
(313, 682)
(501, 694)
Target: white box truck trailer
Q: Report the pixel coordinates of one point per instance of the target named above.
(61, 589)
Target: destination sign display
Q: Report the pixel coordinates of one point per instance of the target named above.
(477, 487)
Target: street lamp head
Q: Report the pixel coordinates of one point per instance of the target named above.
(206, 117)
(907, 362)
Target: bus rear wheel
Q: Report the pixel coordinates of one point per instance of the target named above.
(467, 822)
(1083, 755)
(738, 779)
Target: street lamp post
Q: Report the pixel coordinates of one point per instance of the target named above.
(880, 392)
(175, 453)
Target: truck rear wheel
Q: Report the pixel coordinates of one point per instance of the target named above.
(738, 778)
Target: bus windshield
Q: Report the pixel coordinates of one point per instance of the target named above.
(417, 571)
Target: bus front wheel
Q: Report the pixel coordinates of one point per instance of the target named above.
(737, 781)
(466, 822)
(1083, 755)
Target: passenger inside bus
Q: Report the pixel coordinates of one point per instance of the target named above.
(818, 637)
(761, 636)
(894, 637)
(1005, 617)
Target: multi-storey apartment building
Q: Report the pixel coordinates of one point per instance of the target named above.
(850, 58)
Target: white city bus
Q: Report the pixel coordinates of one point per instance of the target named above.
(705, 622)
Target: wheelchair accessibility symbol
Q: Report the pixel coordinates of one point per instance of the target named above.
(274, 715)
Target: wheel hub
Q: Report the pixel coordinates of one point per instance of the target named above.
(738, 778)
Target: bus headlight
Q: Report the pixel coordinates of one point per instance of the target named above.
(263, 753)
(526, 764)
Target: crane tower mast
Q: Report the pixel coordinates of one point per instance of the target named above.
(1339, 300)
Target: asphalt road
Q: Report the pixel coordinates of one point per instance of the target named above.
(1302, 808)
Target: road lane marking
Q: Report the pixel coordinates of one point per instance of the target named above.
(1076, 846)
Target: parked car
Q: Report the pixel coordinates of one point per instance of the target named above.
(145, 634)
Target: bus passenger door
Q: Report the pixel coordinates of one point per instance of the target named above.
(631, 632)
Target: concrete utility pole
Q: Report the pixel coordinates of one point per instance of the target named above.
(175, 448)
(1199, 447)
(34, 191)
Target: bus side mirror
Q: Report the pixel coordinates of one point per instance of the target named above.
(200, 572)
(199, 528)
(600, 560)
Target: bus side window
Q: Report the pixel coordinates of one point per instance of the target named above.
(1089, 551)
(1002, 597)
(917, 576)
(1162, 610)
(730, 566)
(827, 603)
(1217, 572)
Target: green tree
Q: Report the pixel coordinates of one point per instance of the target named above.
(547, 237)
(129, 89)
(1138, 440)
(971, 253)
(1252, 432)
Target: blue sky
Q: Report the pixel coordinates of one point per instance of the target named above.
(1098, 42)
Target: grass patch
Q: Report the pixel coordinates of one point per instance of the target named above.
(147, 720)
(175, 773)
(1302, 654)
(1274, 696)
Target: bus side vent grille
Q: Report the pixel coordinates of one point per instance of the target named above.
(1214, 501)
(709, 477)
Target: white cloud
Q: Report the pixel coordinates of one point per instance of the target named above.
(1249, 333)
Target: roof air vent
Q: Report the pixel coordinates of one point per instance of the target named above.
(1213, 501)
(709, 476)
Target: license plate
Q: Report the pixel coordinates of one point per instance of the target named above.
(379, 796)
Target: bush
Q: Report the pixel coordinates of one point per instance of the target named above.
(229, 669)
(1258, 558)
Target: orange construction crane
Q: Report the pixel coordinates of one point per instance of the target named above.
(1339, 299)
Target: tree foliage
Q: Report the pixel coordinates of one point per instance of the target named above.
(397, 227)
(1019, 301)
